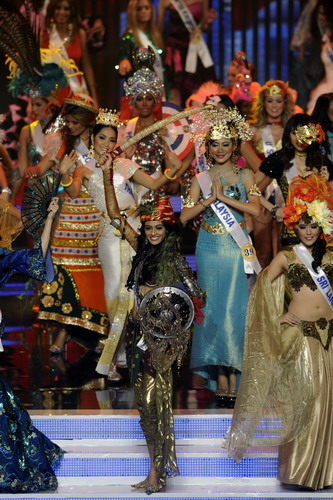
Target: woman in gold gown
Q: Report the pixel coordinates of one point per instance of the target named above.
(288, 362)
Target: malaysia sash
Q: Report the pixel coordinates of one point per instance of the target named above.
(251, 263)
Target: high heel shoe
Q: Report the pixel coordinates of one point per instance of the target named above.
(232, 399)
(222, 398)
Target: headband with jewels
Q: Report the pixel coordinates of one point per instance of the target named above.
(310, 198)
(107, 117)
(143, 82)
(82, 101)
(216, 124)
(308, 134)
(158, 211)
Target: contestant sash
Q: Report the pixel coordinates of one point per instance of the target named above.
(197, 47)
(37, 136)
(251, 263)
(318, 277)
(145, 42)
(268, 140)
(75, 84)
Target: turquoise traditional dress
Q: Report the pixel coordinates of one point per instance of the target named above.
(218, 341)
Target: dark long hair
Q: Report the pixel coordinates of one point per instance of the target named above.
(157, 261)
(315, 155)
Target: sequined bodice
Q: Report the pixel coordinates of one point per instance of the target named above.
(149, 153)
(299, 276)
(235, 191)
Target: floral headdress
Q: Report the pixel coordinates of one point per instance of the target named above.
(159, 211)
(311, 196)
(310, 133)
(215, 124)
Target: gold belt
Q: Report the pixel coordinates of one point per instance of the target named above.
(218, 228)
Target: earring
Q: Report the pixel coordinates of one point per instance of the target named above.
(91, 152)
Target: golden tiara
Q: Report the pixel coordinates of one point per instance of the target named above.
(107, 117)
(274, 91)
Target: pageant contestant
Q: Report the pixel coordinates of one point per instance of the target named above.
(302, 155)
(223, 191)
(157, 263)
(288, 361)
(114, 253)
(26, 455)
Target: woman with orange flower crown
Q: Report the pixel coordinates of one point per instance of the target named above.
(302, 155)
(287, 376)
(158, 330)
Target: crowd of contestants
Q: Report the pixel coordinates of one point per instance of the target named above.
(256, 188)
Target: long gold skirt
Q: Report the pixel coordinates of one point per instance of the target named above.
(154, 401)
(308, 459)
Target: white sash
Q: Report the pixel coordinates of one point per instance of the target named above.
(291, 173)
(37, 136)
(145, 42)
(73, 81)
(319, 277)
(268, 140)
(197, 47)
(251, 263)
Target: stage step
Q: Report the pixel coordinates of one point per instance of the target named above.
(106, 453)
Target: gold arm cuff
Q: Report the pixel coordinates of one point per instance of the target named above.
(188, 202)
(254, 191)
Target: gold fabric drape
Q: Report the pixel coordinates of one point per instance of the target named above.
(275, 400)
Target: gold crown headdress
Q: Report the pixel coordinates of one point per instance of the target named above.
(309, 133)
(108, 117)
(215, 124)
(274, 91)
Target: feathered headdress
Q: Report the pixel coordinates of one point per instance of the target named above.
(33, 71)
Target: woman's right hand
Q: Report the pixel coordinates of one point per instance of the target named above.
(289, 319)
(124, 67)
(67, 162)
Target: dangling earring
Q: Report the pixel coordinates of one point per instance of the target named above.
(234, 158)
(91, 152)
(70, 30)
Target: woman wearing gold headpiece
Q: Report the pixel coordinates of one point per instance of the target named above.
(301, 155)
(272, 109)
(222, 260)
(114, 252)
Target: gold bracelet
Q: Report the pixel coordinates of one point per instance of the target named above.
(67, 184)
(167, 176)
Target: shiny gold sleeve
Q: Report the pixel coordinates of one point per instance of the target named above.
(275, 399)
